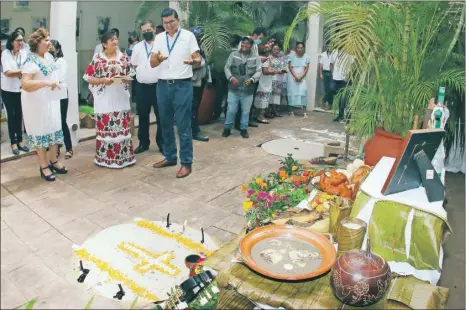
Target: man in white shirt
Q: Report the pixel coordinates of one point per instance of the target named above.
(174, 52)
(146, 88)
(340, 64)
(99, 48)
(326, 77)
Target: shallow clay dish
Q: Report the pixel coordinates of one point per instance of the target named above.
(313, 240)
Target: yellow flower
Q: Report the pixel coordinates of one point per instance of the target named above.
(294, 168)
(274, 214)
(247, 204)
(263, 185)
(259, 181)
(320, 208)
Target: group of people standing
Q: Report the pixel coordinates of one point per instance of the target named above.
(260, 76)
(30, 72)
(333, 70)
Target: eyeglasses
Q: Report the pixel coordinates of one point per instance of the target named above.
(171, 22)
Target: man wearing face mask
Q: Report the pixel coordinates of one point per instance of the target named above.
(257, 37)
(146, 87)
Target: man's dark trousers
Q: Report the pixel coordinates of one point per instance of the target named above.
(146, 97)
(175, 100)
(197, 98)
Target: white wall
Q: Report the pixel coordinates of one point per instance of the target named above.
(24, 18)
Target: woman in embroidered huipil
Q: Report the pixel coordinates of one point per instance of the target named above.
(41, 115)
(114, 148)
(279, 64)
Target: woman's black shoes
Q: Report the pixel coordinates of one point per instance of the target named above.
(48, 178)
(23, 148)
(15, 152)
(57, 170)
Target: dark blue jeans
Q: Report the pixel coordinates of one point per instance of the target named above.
(175, 104)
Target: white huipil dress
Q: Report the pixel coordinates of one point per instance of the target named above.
(112, 111)
(41, 115)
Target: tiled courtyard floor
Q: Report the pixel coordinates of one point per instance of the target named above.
(41, 221)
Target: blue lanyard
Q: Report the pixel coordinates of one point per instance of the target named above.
(147, 51)
(170, 49)
(18, 64)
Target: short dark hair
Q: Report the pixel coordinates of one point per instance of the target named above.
(235, 40)
(160, 27)
(116, 31)
(169, 12)
(23, 32)
(260, 30)
(57, 46)
(300, 43)
(251, 41)
(276, 44)
(107, 36)
(151, 23)
(11, 38)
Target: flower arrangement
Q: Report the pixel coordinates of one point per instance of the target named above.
(267, 198)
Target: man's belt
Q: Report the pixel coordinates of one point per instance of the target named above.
(175, 81)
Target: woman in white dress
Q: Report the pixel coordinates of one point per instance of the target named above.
(41, 114)
(106, 77)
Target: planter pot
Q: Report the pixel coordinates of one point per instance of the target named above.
(206, 108)
(380, 145)
(87, 121)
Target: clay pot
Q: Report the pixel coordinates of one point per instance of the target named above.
(382, 144)
(206, 108)
(360, 278)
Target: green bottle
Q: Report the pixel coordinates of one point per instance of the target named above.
(441, 95)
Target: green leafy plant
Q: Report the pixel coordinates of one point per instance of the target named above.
(403, 52)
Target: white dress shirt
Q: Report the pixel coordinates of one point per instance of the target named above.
(174, 67)
(324, 60)
(140, 58)
(341, 64)
(99, 48)
(10, 62)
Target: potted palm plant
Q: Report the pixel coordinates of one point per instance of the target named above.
(403, 52)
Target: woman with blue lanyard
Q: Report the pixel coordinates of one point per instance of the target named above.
(13, 59)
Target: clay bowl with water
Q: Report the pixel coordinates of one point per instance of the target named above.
(289, 237)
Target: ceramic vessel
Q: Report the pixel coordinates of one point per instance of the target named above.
(382, 144)
(360, 278)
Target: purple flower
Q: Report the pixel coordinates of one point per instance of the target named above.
(296, 184)
(278, 213)
(263, 196)
(250, 192)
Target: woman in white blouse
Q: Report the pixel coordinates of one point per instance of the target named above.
(13, 59)
(57, 53)
(42, 113)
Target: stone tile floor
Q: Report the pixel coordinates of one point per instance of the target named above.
(41, 221)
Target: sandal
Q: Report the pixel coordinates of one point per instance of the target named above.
(277, 114)
(57, 170)
(69, 154)
(262, 121)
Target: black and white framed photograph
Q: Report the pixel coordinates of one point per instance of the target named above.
(4, 26)
(103, 24)
(21, 6)
(38, 22)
